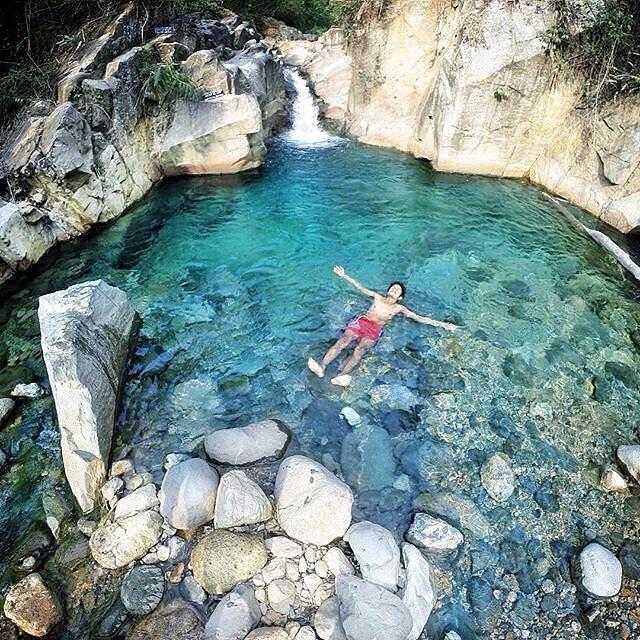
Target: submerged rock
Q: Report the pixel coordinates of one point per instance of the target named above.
(173, 620)
(370, 612)
(223, 559)
(188, 494)
(86, 332)
(419, 594)
(234, 616)
(7, 406)
(313, 506)
(433, 534)
(629, 456)
(142, 589)
(240, 501)
(611, 479)
(32, 606)
(116, 545)
(497, 477)
(32, 390)
(376, 552)
(245, 445)
(56, 511)
(599, 571)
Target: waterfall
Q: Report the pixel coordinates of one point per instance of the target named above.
(305, 127)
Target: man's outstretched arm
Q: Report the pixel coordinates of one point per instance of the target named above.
(339, 271)
(426, 320)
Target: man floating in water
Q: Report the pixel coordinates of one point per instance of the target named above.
(367, 329)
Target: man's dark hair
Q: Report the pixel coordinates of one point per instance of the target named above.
(400, 285)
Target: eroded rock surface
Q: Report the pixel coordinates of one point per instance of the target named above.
(86, 333)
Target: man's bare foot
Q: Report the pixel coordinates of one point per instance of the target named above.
(315, 367)
(342, 381)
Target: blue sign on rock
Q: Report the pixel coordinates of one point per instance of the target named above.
(162, 30)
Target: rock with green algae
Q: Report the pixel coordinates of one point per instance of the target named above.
(174, 620)
(117, 544)
(223, 559)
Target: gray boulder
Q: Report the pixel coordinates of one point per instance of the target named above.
(188, 494)
(599, 571)
(240, 501)
(142, 589)
(223, 559)
(433, 534)
(326, 621)
(419, 594)
(313, 506)
(86, 333)
(497, 477)
(370, 612)
(117, 544)
(377, 553)
(234, 616)
(257, 441)
(139, 500)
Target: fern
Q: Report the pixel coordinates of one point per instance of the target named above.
(165, 79)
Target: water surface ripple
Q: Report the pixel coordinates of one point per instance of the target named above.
(232, 277)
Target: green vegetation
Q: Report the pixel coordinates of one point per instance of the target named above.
(501, 93)
(165, 80)
(606, 50)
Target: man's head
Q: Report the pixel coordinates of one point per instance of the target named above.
(396, 291)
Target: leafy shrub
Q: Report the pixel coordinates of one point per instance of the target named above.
(607, 51)
(164, 79)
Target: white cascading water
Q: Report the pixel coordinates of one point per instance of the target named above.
(305, 126)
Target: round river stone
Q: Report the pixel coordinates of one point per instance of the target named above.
(223, 559)
(142, 589)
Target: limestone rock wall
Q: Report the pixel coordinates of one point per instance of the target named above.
(109, 137)
(468, 85)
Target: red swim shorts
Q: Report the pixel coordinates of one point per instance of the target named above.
(362, 327)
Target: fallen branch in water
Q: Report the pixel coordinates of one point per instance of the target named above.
(603, 240)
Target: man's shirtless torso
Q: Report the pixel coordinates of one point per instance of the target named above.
(366, 330)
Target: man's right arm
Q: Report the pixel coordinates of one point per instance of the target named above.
(340, 272)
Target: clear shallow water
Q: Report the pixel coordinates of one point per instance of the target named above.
(232, 277)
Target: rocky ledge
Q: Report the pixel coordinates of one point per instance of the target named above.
(470, 87)
(113, 132)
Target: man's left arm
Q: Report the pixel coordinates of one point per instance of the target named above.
(430, 321)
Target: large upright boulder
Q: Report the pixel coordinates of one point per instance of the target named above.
(86, 333)
(313, 505)
(220, 135)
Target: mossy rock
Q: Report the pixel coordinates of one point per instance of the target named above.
(223, 559)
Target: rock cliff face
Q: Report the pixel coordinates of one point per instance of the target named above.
(111, 136)
(468, 85)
